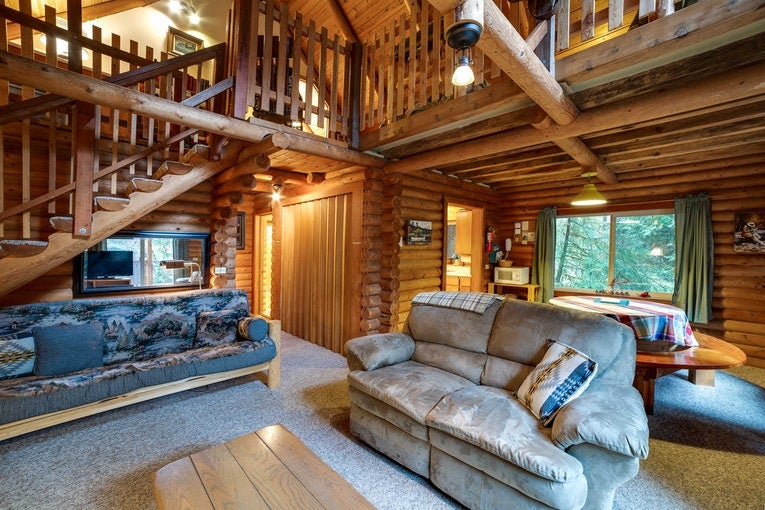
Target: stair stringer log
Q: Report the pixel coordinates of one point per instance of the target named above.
(63, 246)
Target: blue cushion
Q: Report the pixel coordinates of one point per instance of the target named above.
(68, 348)
(253, 328)
(17, 354)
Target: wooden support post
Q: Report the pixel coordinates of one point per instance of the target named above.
(84, 151)
(355, 90)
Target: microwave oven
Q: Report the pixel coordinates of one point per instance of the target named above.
(511, 275)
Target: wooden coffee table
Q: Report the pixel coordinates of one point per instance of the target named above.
(267, 469)
(701, 362)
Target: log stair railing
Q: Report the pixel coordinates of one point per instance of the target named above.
(102, 131)
(63, 246)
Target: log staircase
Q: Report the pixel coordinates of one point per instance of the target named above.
(106, 167)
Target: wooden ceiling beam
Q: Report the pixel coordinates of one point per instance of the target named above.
(343, 23)
(685, 100)
(89, 90)
(502, 43)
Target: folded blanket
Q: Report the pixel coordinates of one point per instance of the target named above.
(477, 302)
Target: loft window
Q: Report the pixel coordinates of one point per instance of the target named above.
(625, 253)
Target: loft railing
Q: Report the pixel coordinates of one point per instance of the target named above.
(584, 23)
(40, 133)
(408, 67)
(289, 71)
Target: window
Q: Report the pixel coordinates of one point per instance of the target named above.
(621, 253)
(132, 261)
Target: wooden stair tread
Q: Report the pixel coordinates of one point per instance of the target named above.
(21, 247)
(111, 203)
(142, 184)
(62, 223)
(172, 167)
(199, 150)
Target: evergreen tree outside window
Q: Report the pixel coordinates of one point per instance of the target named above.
(624, 253)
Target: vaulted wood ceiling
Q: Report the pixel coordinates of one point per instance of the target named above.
(687, 50)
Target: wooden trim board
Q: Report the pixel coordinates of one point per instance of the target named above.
(24, 426)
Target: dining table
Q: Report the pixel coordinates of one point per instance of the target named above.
(657, 326)
(665, 341)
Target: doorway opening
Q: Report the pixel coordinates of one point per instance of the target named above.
(463, 249)
(263, 252)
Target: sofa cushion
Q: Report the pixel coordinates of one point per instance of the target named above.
(562, 375)
(410, 387)
(522, 330)
(456, 328)
(457, 361)
(17, 354)
(493, 420)
(68, 348)
(217, 327)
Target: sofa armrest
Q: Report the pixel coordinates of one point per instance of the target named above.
(609, 415)
(378, 350)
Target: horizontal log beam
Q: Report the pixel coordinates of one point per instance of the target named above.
(691, 96)
(89, 90)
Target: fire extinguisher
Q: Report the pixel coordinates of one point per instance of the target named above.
(489, 239)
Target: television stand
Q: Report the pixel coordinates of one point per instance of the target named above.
(107, 282)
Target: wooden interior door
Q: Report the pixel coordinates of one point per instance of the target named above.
(319, 270)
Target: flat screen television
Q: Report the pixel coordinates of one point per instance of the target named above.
(108, 264)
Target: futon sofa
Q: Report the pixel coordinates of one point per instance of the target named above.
(64, 360)
(503, 404)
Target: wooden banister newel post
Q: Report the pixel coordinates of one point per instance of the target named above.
(83, 154)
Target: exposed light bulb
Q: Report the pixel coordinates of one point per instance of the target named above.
(463, 74)
(175, 6)
(194, 18)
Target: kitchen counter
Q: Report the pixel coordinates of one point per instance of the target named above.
(452, 270)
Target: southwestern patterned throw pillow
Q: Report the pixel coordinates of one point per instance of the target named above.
(17, 354)
(562, 375)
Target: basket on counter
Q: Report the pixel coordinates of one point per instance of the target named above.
(505, 263)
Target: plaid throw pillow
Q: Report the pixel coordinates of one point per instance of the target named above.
(17, 354)
(562, 375)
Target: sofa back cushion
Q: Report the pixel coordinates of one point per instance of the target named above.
(520, 337)
(451, 339)
(135, 327)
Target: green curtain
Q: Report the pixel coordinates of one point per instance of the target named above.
(543, 268)
(694, 252)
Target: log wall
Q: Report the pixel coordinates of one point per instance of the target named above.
(739, 279)
(408, 270)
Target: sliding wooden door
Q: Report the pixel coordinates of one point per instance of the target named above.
(320, 269)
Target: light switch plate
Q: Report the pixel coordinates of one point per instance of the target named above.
(220, 270)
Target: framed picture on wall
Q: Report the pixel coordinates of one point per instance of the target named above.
(749, 233)
(240, 239)
(181, 43)
(419, 232)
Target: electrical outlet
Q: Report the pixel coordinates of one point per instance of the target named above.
(220, 270)
(487, 266)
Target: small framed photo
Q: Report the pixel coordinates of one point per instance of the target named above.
(181, 43)
(419, 232)
(240, 229)
(749, 235)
